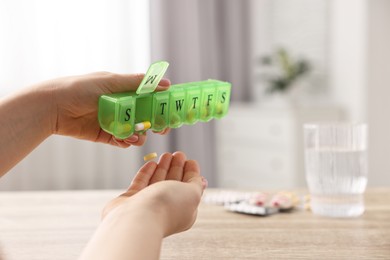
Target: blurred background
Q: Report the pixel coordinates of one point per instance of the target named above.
(289, 62)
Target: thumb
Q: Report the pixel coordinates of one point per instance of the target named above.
(199, 181)
(123, 82)
(192, 174)
(197, 186)
(130, 82)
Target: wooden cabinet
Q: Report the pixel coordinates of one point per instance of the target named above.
(262, 148)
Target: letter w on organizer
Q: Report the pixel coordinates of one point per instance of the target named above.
(179, 104)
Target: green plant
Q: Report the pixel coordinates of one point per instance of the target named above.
(284, 71)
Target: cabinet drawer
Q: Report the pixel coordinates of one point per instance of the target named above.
(254, 168)
(246, 128)
(260, 147)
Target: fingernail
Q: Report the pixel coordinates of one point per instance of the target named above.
(204, 182)
(133, 138)
(115, 140)
(165, 82)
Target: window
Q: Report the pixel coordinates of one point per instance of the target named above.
(46, 39)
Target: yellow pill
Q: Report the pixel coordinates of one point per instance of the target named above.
(307, 207)
(206, 111)
(111, 127)
(120, 128)
(190, 115)
(159, 123)
(175, 119)
(142, 126)
(150, 156)
(219, 109)
(127, 127)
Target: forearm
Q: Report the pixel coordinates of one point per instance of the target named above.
(136, 235)
(26, 120)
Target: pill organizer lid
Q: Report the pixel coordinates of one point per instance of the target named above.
(152, 77)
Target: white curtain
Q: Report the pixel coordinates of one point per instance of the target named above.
(40, 40)
(202, 40)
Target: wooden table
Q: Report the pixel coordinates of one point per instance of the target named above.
(57, 225)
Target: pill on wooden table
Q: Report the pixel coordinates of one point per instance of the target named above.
(258, 199)
(150, 156)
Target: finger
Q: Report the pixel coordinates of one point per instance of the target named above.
(142, 178)
(118, 142)
(205, 183)
(191, 170)
(141, 140)
(166, 131)
(131, 139)
(163, 132)
(121, 82)
(200, 182)
(129, 82)
(140, 181)
(104, 137)
(164, 84)
(192, 175)
(177, 166)
(162, 168)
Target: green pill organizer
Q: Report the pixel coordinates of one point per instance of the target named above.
(123, 114)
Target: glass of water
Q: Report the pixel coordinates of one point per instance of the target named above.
(336, 167)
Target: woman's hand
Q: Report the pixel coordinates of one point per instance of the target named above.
(65, 106)
(75, 104)
(162, 199)
(172, 187)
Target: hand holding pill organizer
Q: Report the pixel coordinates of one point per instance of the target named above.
(123, 114)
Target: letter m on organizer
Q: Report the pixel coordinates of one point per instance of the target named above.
(151, 79)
